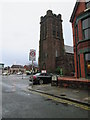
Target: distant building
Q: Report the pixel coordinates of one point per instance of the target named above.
(29, 68)
(1, 68)
(52, 52)
(17, 68)
(68, 49)
(80, 20)
(7, 69)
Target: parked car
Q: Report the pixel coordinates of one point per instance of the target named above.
(19, 73)
(5, 73)
(35, 80)
(28, 73)
(41, 78)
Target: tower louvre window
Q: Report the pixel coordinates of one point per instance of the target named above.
(58, 32)
(54, 31)
(56, 54)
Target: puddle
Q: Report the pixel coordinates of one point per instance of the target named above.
(63, 94)
(65, 104)
(9, 91)
(47, 99)
(76, 91)
(56, 103)
(87, 99)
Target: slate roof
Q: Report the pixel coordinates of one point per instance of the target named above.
(68, 49)
(16, 66)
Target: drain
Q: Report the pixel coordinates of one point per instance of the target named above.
(62, 94)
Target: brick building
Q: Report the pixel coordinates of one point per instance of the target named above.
(16, 69)
(66, 61)
(51, 44)
(80, 20)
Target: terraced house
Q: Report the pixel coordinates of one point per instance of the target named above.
(80, 20)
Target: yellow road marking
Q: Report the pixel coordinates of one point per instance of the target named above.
(85, 107)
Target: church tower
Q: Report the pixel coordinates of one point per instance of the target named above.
(51, 44)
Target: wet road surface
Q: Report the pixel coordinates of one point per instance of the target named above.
(19, 102)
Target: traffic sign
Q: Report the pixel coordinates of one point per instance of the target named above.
(32, 55)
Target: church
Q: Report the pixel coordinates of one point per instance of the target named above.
(53, 54)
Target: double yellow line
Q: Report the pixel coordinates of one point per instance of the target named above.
(85, 107)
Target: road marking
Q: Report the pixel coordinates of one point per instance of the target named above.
(85, 107)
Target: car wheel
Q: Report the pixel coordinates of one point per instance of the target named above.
(40, 81)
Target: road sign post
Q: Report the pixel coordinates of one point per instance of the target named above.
(32, 73)
(32, 57)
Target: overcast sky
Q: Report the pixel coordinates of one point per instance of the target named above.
(20, 27)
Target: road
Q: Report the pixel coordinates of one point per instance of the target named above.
(19, 102)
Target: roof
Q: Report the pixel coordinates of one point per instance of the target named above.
(74, 11)
(1, 63)
(16, 66)
(68, 49)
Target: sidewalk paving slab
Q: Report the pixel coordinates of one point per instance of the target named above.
(75, 95)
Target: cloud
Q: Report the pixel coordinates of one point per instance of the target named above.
(20, 26)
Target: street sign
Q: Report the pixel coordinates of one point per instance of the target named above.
(32, 55)
(54, 78)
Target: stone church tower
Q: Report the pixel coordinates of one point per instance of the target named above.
(51, 44)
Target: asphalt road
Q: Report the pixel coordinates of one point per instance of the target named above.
(19, 102)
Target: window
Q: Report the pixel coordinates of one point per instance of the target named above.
(58, 34)
(54, 31)
(56, 54)
(86, 23)
(87, 61)
(86, 28)
(58, 31)
(87, 33)
(53, 22)
(45, 30)
(88, 4)
(45, 55)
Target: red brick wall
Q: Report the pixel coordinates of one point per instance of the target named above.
(80, 30)
(83, 45)
(80, 9)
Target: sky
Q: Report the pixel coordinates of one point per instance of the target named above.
(20, 27)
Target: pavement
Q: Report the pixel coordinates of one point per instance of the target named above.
(76, 95)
